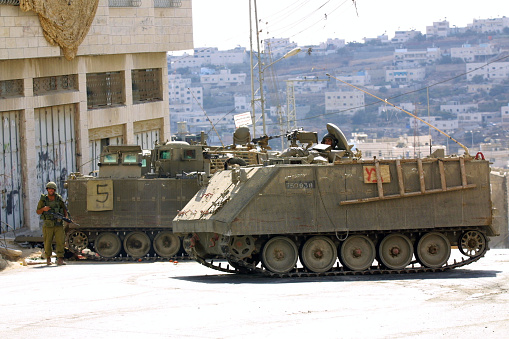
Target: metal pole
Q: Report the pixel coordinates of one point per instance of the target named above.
(253, 110)
(260, 70)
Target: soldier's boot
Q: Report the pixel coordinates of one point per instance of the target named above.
(60, 261)
(48, 261)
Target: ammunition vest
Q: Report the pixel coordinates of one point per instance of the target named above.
(56, 206)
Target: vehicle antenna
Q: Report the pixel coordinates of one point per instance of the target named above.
(401, 109)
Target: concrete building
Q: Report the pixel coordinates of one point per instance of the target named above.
(469, 53)
(394, 148)
(505, 115)
(405, 75)
(224, 79)
(489, 25)
(411, 58)
(403, 36)
(360, 78)
(76, 76)
(182, 96)
(439, 29)
(496, 71)
(278, 47)
(456, 107)
(388, 109)
(345, 101)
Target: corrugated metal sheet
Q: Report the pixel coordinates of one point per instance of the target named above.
(147, 139)
(96, 147)
(11, 213)
(55, 145)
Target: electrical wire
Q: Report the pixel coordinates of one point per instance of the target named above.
(399, 95)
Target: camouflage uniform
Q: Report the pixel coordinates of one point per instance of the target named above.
(52, 226)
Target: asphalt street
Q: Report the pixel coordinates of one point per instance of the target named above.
(186, 300)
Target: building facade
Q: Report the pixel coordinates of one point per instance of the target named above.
(345, 101)
(64, 96)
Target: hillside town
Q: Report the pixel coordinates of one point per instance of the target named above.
(454, 78)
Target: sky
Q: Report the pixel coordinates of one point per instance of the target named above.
(225, 23)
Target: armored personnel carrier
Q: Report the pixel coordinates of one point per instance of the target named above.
(328, 212)
(126, 212)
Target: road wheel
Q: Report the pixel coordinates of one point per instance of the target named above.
(280, 255)
(395, 251)
(357, 253)
(166, 244)
(107, 244)
(319, 254)
(433, 250)
(136, 244)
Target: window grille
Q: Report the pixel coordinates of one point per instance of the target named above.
(61, 83)
(11, 88)
(9, 2)
(105, 89)
(124, 3)
(146, 85)
(167, 3)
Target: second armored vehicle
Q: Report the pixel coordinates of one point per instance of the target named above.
(347, 216)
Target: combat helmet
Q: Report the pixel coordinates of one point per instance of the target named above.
(332, 137)
(51, 184)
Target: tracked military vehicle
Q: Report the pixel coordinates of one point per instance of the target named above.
(126, 212)
(303, 216)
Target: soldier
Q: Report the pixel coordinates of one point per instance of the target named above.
(50, 207)
(330, 139)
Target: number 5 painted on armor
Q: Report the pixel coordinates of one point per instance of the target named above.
(100, 195)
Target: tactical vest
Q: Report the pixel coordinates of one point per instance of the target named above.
(56, 206)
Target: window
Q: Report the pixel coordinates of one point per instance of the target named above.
(60, 83)
(110, 159)
(129, 158)
(189, 154)
(105, 89)
(11, 88)
(146, 85)
(166, 155)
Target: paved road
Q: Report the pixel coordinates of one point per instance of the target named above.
(187, 300)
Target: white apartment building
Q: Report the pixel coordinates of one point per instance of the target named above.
(405, 75)
(394, 148)
(360, 78)
(182, 96)
(278, 46)
(438, 29)
(389, 109)
(469, 53)
(344, 101)
(489, 25)
(438, 122)
(224, 79)
(334, 43)
(184, 61)
(381, 38)
(311, 84)
(496, 71)
(408, 58)
(71, 84)
(210, 56)
(456, 108)
(403, 36)
(505, 115)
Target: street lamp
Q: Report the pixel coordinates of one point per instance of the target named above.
(261, 71)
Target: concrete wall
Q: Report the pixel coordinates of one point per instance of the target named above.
(500, 198)
(120, 39)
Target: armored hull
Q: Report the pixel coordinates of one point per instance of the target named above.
(348, 217)
(127, 211)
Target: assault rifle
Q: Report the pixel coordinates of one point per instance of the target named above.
(60, 216)
(263, 141)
